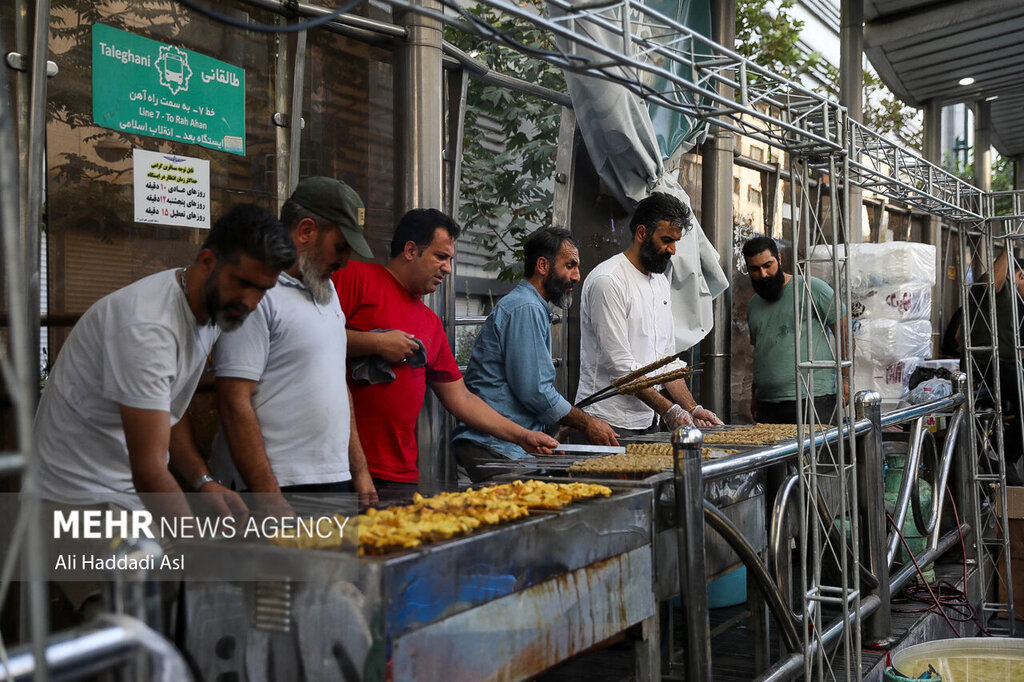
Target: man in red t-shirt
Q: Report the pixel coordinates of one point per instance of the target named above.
(388, 297)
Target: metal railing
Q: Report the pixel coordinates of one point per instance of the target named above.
(877, 536)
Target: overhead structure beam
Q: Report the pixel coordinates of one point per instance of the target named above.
(765, 106)
(936, 17)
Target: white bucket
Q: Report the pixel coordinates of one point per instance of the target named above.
(971, 659)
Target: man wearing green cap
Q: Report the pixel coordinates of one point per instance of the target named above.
(283, 426)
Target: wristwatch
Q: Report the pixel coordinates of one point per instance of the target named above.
(203, 480)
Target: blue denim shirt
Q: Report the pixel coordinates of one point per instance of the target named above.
(511, 368)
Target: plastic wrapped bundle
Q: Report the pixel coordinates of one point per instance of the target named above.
(882, 342)
(873, 266)
(902, 303)
(890, 380)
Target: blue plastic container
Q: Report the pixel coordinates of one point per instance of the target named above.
(729, 590)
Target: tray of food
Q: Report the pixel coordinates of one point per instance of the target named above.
(447, 515)
(640, 460)
(755, 434)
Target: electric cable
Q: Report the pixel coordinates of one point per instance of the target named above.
(949, 596)
(920, 573)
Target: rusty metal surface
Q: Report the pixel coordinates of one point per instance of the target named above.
(740, 497)
(520, 635)
(439, 580)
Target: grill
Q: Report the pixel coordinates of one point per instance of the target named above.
(504, 602)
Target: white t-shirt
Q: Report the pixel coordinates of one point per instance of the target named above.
(625, 324)
(138, 347)
(295, 349)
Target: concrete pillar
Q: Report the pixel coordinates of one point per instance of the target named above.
(983, 146)
(419, 109)
(851, 93)
(716, 210)
(932, 135)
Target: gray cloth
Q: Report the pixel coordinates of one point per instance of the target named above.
(622, 142)
(374, 369)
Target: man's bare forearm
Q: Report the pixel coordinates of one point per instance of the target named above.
(242, 430)
(576, 418)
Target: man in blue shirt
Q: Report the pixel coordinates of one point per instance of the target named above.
(511, 367)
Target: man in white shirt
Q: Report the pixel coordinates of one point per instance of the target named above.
(113, 414)
(626, 323)
(286, 419)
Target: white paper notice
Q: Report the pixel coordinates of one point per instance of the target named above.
(171, 190)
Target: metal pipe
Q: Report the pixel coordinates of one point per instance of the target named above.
(983, 145)
(755, 568)
(794, 665)
(962, 487)
(419, 125)
(929, 556)
(932, 234)
(295, 114)
(689, 498)
(97, 647)
(949, 452)
(851, 93)
(914, 411)
(283, 88)
(456, 88)
(716, 349)
(925, 526)
(485, 74)
(909, 481)
(777, 533)
(775, 454)
(24, 331)
(11, 463)
(870, 472)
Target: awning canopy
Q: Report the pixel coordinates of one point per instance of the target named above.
(922, 49)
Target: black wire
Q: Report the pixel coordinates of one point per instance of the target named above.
(269, 28)
(927, 585)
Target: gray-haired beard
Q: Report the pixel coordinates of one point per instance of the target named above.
(318, 285)
(558, 292)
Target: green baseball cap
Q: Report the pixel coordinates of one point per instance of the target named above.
(335, 201)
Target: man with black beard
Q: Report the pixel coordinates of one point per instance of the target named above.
(626, 323)
(286, 417)
(112, 422)
(770, 316)
(511, 367)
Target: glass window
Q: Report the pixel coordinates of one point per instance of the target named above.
(93, 244)
(349, 134)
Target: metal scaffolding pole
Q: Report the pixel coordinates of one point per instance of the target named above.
(984, 431)
(829, 542)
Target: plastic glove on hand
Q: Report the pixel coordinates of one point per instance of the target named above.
(676, 416)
